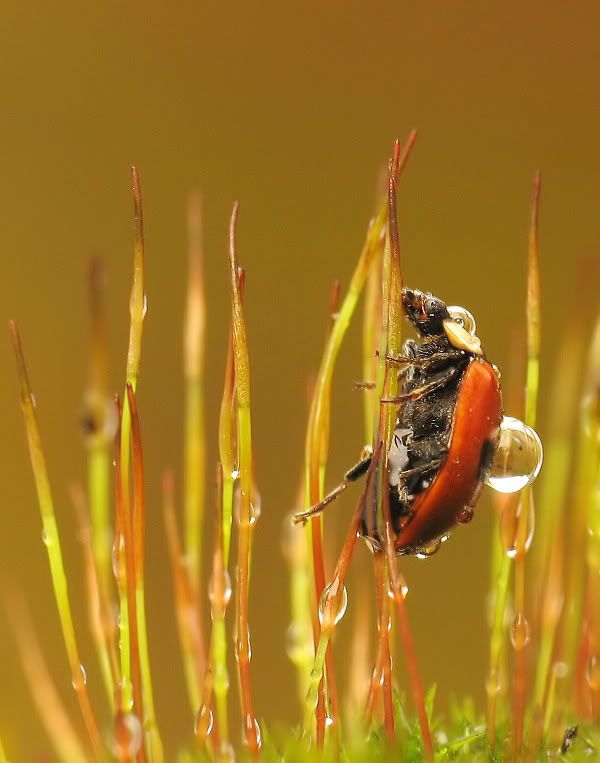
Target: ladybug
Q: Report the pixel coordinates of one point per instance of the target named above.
(446, 432)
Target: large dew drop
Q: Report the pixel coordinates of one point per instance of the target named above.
(518, 458)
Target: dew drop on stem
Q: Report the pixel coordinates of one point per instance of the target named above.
(333, 604)
(126, 738)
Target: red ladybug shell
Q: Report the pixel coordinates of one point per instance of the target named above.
(476, 424)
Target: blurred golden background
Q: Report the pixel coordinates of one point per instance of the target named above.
(292, 109)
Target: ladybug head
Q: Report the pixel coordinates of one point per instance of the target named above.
(426, 312)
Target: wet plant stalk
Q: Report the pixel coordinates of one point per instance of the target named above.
(333, 604)
(318, 423)
(246, 515)
(98, 440)
(392, 332)
(130, 687)
(51, 710)
(52, 542)
(137, 310)
(525, 524)
(194, 450)
(186, 605)
(150, 727)
(220, 594)
(101, 617)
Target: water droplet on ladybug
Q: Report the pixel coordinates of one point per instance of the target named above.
(465, 515)
(518, 457)
(464, 317)
(429, 550)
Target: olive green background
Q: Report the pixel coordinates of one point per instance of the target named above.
(292, 109)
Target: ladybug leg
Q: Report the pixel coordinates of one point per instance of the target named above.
(425, 389)
(356, 472)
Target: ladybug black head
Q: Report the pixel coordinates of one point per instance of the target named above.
(424, 311)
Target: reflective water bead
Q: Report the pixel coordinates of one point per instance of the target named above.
(518, 457)
(333, 604)
(592, 673)
(127, 736)
(429, 550)
(252, 729)
(464, 317)
(204, 722)
(79, 678)
(223, 590)
(519, 632)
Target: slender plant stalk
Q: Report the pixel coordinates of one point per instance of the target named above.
(101, 619)
(584, 480)
(318, 423)
(97, 429)
(137, 311)
(383, 604)
(52, 542)
(592, 670)
(520, 627)
(333, 604)
(194, 344)
(220, 594)
(246, 516)
(130, 695)
(50, 707)
(392, 330)
(186, 605)
(150, 727)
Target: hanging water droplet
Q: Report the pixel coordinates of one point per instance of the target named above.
(204, 722)
(126, 693)
(518, 457)
(465, 515)
(329, 721)
(46, 538)
(403, 588)
(79, 679)
(462, 316)
(251, 731)
(224, 594)
(429, 550)
(509, 527)
(592, 673)
(333, 604)
(126, 738)
(118, 547)
(519, 632)
(254, 510)
(299, 644)
(145, 306)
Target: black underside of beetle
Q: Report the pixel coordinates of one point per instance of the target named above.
(424, 425)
